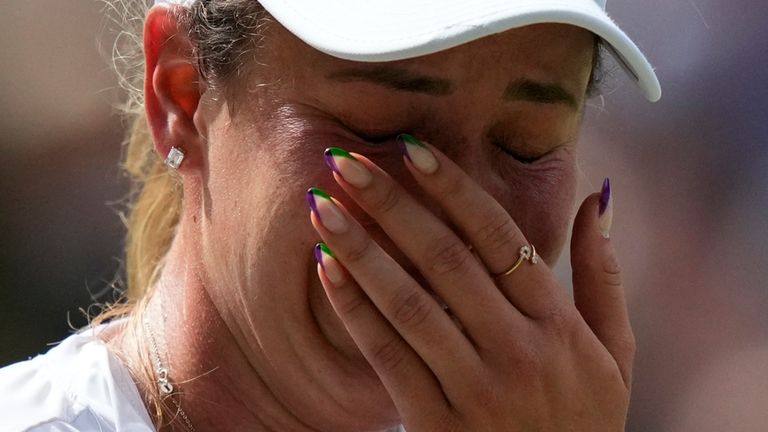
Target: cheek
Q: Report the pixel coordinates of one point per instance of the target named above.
(541, 199)
(255, 216)
(256, 186)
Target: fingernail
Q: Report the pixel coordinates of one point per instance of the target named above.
(329, 264)
(605, 215)
(344, 164)
(418, 153)
(325, 210)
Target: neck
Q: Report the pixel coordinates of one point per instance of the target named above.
(219, 384)
(214, 384)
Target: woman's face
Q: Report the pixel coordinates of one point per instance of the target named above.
(506, 108)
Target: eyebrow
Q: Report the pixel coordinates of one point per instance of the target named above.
(532, 91)
(401, 79)
(395, 78)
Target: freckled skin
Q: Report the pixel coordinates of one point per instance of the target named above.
(264, 154)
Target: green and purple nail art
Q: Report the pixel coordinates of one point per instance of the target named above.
(329, 264)
(326, 211)
(348, 167)
(605, 196)
(323, 252)
(417, 153)
(403, 140)
(605, 209)
(313, 194)
(332, 154)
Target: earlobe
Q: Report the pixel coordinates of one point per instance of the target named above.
(172, 87)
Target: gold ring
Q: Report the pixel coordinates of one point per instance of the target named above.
(527, 253)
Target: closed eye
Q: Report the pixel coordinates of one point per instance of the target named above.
(518, 156)
(376, 138)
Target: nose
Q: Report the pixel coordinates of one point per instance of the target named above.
(467, 149)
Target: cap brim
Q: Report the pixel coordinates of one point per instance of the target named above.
(388, 30)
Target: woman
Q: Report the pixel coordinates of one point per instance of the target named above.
(429, 302)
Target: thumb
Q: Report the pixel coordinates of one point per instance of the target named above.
(597, 288)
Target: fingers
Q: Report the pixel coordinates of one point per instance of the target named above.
(597, 286)
(487, 225)
(412, 311)
(403, 373)
(440, 255)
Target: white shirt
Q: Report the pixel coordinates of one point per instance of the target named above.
(78, 385)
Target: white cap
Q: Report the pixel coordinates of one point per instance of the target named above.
(386, 30)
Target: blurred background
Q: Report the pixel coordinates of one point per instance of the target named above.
(689, 177)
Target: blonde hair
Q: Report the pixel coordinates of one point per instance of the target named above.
(154, 203)
(225, 35)
(153, 206)
(154, 212)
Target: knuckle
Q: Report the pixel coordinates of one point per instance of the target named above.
(525, 366)
(558, 323)
(447, 255)
(557, 318)
(623, 345)
(352, 305)
(630, 347)
(486, 393)
(411, 309)
(445, 421)
(452, 186)
(605, 271)
(359, 249)
(612, 272)
(387, 199)
(499, 232)
(389, 355)
(531, 364)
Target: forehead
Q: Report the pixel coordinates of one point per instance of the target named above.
(550, 52)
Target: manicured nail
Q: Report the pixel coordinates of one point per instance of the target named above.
(329, 264)
(605, 219)
(325, 210)
(418, 153)
(344, 164)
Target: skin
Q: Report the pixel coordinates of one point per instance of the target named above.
(257, 341)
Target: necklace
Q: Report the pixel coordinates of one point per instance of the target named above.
(163, 383)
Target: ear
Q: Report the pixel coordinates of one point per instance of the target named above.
(172, 88)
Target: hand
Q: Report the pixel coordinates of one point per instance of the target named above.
(527, 358)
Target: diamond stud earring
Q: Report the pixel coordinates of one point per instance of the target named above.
(175, 157)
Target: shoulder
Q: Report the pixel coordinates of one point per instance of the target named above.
(78, 385)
